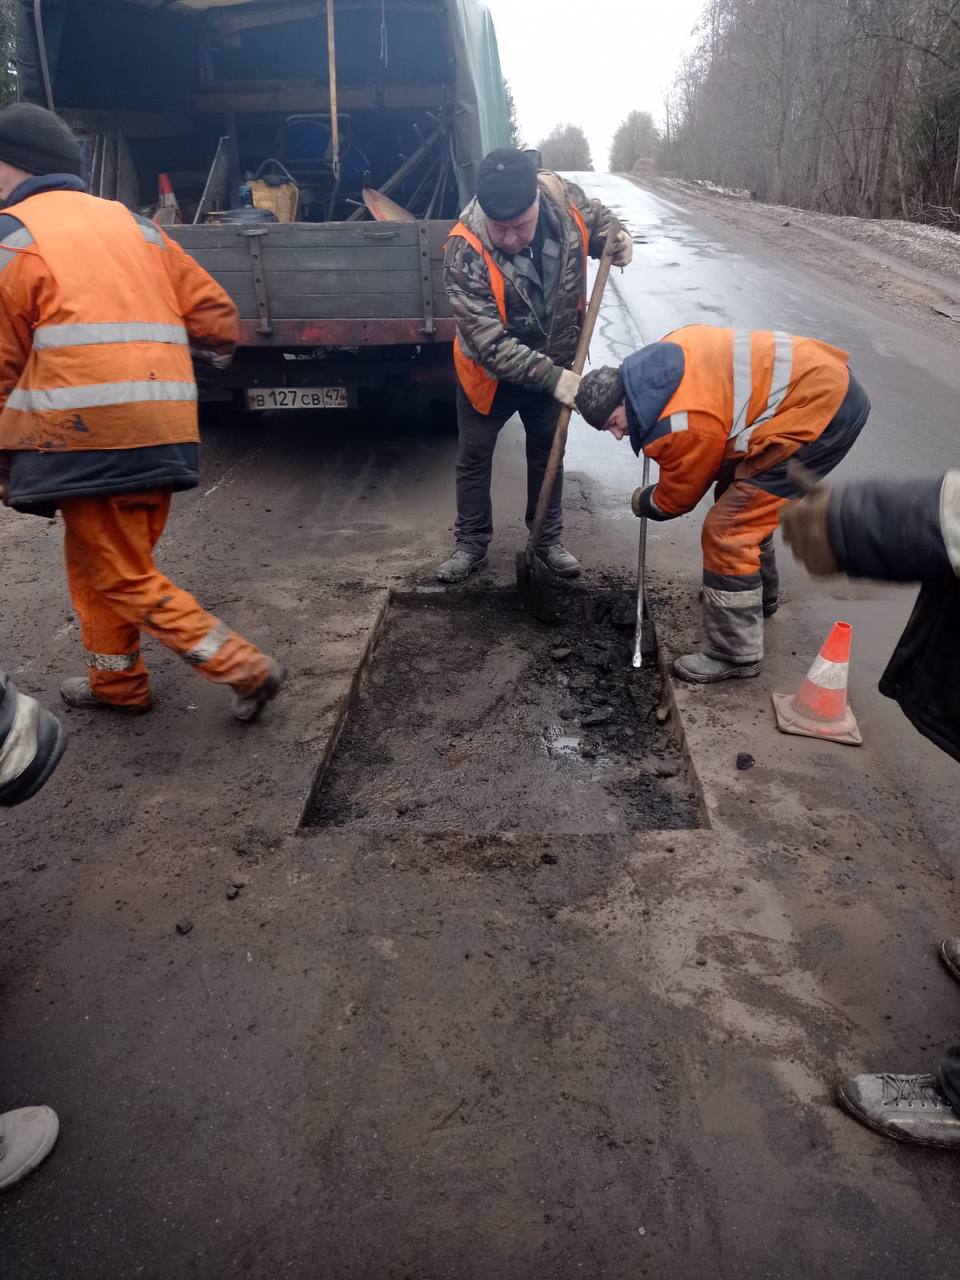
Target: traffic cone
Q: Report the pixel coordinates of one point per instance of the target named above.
(167, 211)
(819, 708)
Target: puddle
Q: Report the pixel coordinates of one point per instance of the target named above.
(474, 717)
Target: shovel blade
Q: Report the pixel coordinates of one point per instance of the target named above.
(537, 587)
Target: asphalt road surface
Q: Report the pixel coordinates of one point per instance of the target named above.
(519, 1047)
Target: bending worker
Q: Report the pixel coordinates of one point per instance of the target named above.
(99, 311)
(515, 273)
(729, 407)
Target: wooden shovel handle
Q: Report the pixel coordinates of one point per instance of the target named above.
(559, 445)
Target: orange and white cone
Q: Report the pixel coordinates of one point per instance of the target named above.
(168, 213)
(819, 708)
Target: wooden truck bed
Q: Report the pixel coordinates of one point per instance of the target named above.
(329, 284)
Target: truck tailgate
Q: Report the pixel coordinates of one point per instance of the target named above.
(329, 284)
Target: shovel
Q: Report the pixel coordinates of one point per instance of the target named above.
(535, 581)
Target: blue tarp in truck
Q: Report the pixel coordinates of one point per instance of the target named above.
(232, 101)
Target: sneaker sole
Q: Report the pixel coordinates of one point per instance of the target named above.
(947, 963)
(738, 673)
(474, 568)
(851, 1108)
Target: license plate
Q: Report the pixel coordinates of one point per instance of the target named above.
(269, 398)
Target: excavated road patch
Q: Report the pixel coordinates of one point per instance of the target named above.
(476, 718)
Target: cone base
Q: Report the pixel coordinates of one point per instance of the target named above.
(789, 720)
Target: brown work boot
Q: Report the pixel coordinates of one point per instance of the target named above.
(76, 693)
(248, 707)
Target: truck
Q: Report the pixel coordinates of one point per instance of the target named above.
(312, 155)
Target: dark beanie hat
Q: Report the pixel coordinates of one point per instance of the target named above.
(37, 141)
(506, 184)
(601, 391)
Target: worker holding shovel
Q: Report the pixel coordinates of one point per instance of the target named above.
(515, 272)
(729, 407)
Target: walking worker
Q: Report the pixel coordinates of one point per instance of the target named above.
(515, 273)
(99, 313)
(729, 407)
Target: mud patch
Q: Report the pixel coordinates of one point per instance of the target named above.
(475, 718)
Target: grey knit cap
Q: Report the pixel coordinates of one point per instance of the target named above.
(37, 141)
(601, 391)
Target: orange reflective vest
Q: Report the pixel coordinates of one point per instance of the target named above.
(754, 395)
(108, 300)
(478, 383)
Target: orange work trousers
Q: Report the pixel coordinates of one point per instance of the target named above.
(118, 592)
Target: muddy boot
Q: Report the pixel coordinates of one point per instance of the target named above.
(770, 577)
(461, 564)
(32, 740)
(559, 560)
(26, 1137)
(248, 707)
(908, 1108)
(950, 955)
(76, 693)
(698, 668)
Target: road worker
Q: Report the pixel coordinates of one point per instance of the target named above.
(515, 273)
(729, 407)
(99, 313)
(901, 531)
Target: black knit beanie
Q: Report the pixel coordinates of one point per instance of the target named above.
(601, 391)
(506, 184)
(37, 141)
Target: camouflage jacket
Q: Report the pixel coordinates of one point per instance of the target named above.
(526, 351)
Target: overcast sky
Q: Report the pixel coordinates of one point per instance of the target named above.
(590, 62)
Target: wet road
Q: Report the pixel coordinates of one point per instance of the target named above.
(689, 269)
(400, 1052)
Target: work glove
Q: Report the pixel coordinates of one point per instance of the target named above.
(206, 355)
(642, 504)
(804, 523)
(623, 249)
(567, 388)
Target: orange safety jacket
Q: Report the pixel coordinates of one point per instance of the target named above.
(754, 396)
(103, 309)
(479, 385)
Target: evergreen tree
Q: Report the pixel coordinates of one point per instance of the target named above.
(566, 147)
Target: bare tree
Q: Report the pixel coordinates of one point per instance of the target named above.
(566, 147)
(851, 106)
(636, 138)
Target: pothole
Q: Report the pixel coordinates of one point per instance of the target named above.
(473, 717)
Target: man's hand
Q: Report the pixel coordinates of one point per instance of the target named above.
(804, 524)
(623, 249)
(567, 388)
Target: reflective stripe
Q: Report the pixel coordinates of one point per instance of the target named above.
(19, 239)
(829, 675)
(950, 517)
(45, 400)
(779, 383)
(679, 421)
(112, 661)
(209, 646)
(748, 599)
(742, 383)
(19, 746)
(88, 335)
(151, 232)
